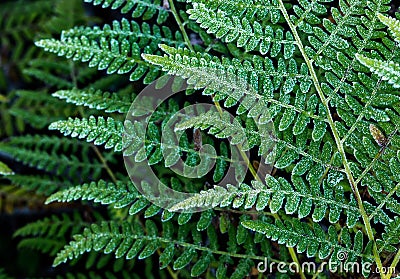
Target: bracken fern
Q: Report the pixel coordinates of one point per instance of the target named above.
(322, 73)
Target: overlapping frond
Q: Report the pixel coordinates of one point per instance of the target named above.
(97, 130)
(137, 241)
(39, 108)
(156, 146)
(116, 49)
(314, 240)
(391, 236)
(146, 9)
(295, 198)
(97, 99)
(388, 70)
(247, 34)
(252, 10)
(41, 184)
(49, 154)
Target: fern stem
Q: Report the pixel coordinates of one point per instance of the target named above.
(98, 153)
(247, 212)
(104, 162)
(251, 168)
(336, 136)
(393, 266)
(181, 27)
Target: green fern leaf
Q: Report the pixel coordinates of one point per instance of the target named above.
(48, 153)
(250, 35)
(115, 48)
(101, 131)
(141, 8)
(45, 185)
(389, 71)
(313, 241)
(97, 99)
(299, 199)
(104, 193)
(390, 238)
(260, 10)
(393, 24)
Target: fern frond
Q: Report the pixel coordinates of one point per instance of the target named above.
(124, 240)
(49, 153)
(222, 126)
(59, 73)
(335, 143)
(393, 25)
(199, 69)
(120, 194)
(389, 70)
(53, 227)
(38, 108)
(21, 22)
(139, 145)
(115, 49)
(143, 34)
(313, 240)
(261, 74)
(42, 244)
(146, 9)
(46, 77)
(308, 13)
(297, 196)
(103, 57)
(40, 184)
(391, 236)
(260, 10)
(250, 35)
(77, 15)
(390, 203)
(179, 246)
(97, 99)
(98, 130)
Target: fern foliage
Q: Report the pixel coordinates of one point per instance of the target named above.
(309, 240)
(42, 153)
(99, 130)
(115, 49)
(138, 8)
(97, 99)
(307, 88)
(280, 192)
(388, 70)
(133, 240)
